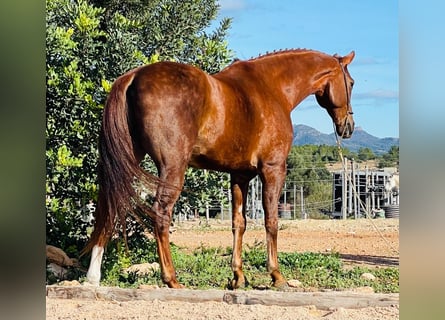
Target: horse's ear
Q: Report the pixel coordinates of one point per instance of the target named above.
(346, 59)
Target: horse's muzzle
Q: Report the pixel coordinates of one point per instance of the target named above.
(346, 129)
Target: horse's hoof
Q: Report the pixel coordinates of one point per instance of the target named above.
(237, 284)
(281, 285)
(175, 285)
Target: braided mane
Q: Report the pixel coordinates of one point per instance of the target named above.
(271, 54)
(277, 52)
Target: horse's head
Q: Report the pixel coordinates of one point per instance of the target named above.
(335, 96)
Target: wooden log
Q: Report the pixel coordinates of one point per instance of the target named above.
(122, 294)
(321, 300)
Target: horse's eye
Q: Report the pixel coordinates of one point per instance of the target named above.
(352, 84)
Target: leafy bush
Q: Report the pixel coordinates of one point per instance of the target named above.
(88, 45)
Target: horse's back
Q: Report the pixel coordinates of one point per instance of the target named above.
(167, 81)
(216, 121)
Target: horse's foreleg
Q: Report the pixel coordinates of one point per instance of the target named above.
(239, 189)
(273, 179)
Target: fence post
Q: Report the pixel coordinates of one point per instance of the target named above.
(285, 194)
(253, 199)
(357, 187)
(229, 196)
(207, 213)
(222, 209)
(303, 213)
(349, 184)
(344, 185)
(353, 188)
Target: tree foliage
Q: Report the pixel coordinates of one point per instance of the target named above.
(390, 159)
(88, 45)
(365, 154)
(306, 167)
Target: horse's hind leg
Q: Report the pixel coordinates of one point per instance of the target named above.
(166, 195)
(101, 236)
(239, 185)
(93, 274)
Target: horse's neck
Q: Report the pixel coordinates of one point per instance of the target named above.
(295, 73)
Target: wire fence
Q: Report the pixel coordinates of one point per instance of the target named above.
(349, 193)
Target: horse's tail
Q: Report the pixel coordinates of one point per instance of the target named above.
(119, 172)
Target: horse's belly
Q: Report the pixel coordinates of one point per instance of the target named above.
(223, 160)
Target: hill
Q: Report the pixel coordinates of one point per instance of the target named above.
(360, 139)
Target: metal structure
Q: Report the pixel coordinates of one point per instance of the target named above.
(363, 192)
(355, 194)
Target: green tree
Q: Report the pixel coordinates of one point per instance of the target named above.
(365, 154)
(202, 188)
(306, 167)
(390, 159)
(89, 44)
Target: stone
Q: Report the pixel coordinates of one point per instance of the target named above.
(367, 276)
(294, 283)
(143, 268)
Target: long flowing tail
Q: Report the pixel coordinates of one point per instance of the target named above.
(118, 169)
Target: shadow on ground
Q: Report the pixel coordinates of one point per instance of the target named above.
(370, 260)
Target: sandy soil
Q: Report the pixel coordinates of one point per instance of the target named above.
(138, 310)
(362, 241)
(370, 242)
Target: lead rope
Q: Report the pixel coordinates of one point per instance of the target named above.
(368, 216)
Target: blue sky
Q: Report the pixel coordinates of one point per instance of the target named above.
(370, 28)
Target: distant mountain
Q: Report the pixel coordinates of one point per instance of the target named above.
(360, 139)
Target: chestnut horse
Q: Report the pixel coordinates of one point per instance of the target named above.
(237, 121)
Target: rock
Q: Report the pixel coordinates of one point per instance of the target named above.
(59, 257)
(367, 276)
(294, 283)
(72, 283)
(58, 271)
(143, 268)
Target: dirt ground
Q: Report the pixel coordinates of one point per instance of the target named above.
(363, 241)
(359, 242)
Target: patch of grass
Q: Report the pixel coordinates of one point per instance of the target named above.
(326, 271)
(210, 268)
(205, 268)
